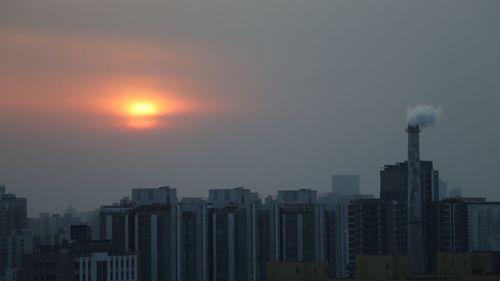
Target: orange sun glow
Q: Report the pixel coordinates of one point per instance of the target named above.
(143, 109)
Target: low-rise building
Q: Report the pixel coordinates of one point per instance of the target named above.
(384, 267)
(80, 261)
(297, 271)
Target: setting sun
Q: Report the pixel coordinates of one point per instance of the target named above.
(143, 106)
(143, 109)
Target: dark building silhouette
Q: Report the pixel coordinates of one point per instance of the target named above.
(80, 232)
(368, 229)
(451, 225)
(330, 237)
(47, 263)
(264, 238)
(13, 213)
(228, 251)
(149, 230)
(192, 239)
(117, 223)
(233, 230)
(394, 188)
(14, 240)
(80, 261)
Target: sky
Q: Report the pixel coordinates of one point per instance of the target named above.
(269, 95)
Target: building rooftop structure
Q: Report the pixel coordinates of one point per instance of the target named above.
(233, 196)
(164, 195)
(301, 196)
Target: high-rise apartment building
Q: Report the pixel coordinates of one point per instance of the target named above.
(15, 240)
(334, 238)
(13, 213)
(450, 225)
(466, 225)
(484, 226)
(149, 230)
(297, 226)
(233, 230)
(147, 225)
(192, 239)
(368, 229)
(394, 188)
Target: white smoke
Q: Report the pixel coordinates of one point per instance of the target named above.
(423, 115)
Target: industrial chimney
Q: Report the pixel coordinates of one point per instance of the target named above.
(415, 218)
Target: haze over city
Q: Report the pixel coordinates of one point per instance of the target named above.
(98, 97)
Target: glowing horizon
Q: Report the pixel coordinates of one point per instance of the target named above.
(118, 83)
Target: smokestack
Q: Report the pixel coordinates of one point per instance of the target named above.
(414, 203)
(418, 117)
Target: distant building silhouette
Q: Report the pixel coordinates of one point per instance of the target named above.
(443, 189)
(345, 184)
(13, 213)
(455, 192)
(80, 233)
(151, 196)
(15, 239)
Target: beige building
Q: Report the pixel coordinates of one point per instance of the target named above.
(474, 266)
(297, 271)
(384, 267)
(464, 264)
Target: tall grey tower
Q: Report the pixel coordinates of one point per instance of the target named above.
(415, 218)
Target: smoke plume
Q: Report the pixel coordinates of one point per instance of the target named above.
(423, 115)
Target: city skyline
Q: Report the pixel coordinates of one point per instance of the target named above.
(234, 235)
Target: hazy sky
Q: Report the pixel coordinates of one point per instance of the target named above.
(268, 95)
